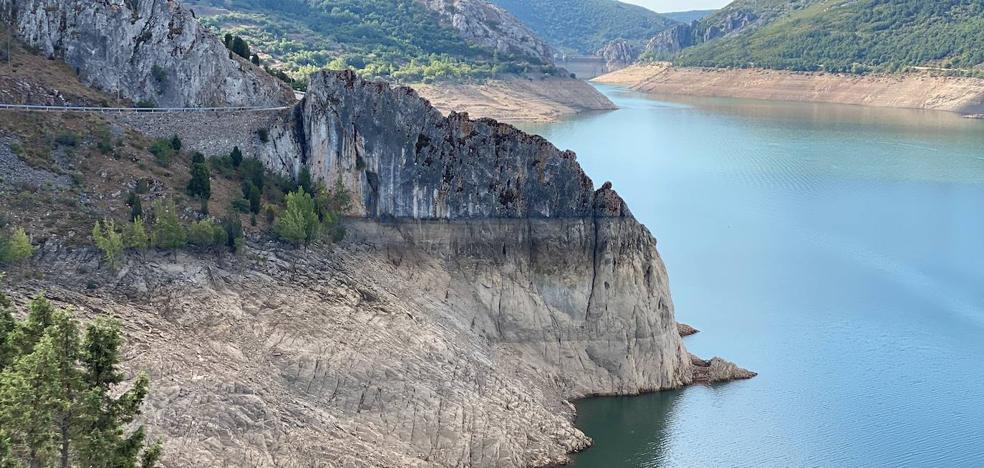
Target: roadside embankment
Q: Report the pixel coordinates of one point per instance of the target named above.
(912, 91)
(517, 99)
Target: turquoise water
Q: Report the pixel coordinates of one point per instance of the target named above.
(836, 250)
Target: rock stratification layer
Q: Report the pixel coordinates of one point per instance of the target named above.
(149, 50)
(486, 25)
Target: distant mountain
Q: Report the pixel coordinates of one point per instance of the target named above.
(585, 27)
(834, 35)
(688, 17)
(408, 40)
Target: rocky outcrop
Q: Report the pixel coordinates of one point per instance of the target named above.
(672, 40)
(147, 50)
(486, 25)
(618, 54)
(717, 370)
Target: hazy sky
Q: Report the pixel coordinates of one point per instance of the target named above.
(679, 5)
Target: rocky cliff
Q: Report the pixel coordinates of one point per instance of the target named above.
(147, 50)
(618, 54)
(487, 25)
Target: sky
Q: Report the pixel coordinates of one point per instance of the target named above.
(664, 6)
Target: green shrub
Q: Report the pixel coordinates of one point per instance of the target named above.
(163, 152)
(253, 195)
(168, 233)
(233, 228)
(240, 205)
(264, 135)
(109, 241)
(67, 139)
(206, 233)
(135, 236)
(136, 206)
(176, 143)
(16, 247)
(253, 171)
(145, 104)
(298, 223)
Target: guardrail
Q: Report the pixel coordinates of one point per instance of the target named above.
(138, 110)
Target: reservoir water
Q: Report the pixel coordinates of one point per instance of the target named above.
(836, 250)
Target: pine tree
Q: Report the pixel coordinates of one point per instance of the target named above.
(110, 241)
(298, 224)
(57, 404)
(200, 185)
(168, 233)
(136, 207)
(135, 236)
(236, 156)
(16, 248)
(176, 143)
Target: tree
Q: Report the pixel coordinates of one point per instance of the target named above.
(255, 59)
(298, 224)
(16, 248)
(236, 156)
(109, 241)
(135, 236)
(240, 47)
(305, 181)
(136, 207)
(168, 233)
(57, 403)
(206, 233)
(200, 185)
(176, 143)
(253, 195)
(233, 227)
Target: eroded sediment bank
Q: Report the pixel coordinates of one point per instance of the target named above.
(911, 91)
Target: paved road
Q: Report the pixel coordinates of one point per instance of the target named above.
(123, 110)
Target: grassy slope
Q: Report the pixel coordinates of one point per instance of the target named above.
(84, 165)
(857, 36)
(393, 39)
(584, 26)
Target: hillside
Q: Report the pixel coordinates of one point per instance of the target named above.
(583, 27)
(842, 36)
(405, 40)
(688, 17)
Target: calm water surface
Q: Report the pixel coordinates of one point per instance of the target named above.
(836, 250)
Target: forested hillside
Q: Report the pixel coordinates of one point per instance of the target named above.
(689, 16)
(585, 26)
(856, 36)
(394, 39)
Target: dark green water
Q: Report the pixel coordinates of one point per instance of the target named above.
(838, 251)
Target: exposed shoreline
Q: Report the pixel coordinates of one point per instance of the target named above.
(960, 95)
(517, 99)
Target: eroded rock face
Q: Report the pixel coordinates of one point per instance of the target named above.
(147, 50)
(562, 273)
(672, 40)
(487, 25)
(618, 54)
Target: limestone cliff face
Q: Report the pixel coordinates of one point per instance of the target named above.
(563, 273)
(148, 50)
(618, 54)
(487, 25)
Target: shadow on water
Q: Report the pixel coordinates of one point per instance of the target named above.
(627, 431)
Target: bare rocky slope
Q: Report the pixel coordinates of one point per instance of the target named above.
(149, 50)
(486, 25)
(910, 91)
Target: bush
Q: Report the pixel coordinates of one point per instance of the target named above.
(176, 143)
(264, 135)
(168, 233)
(240, 205)
(135, 236)
(67, 139)
(253, 171)
(233, 228)
(136, 206)
(298, 224)
(163, 152)
(252, 194)
(16, 247)
(206, 234)
(109, 241)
